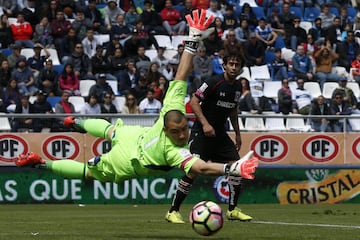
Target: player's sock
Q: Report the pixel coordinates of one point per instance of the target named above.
(235, 188)
(183, 190)
(96, 127)
(67, 168)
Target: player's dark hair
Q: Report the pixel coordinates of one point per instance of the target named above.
(174, 116)
(237, 57)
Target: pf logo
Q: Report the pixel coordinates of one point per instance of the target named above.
(100, 146)
(12, 146)
(320, 148)
(270, 148)
(60, 147)
(356, 148)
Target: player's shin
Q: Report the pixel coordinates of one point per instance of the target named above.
(67, 168)
(183, 189)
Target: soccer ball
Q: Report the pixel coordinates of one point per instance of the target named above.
(206, 218)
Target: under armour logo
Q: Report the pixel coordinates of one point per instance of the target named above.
(222, 94)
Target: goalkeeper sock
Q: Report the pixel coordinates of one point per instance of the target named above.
(67, 168)
(96, 127)
(183, 190)
(235, 188)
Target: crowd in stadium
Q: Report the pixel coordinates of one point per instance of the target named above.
(50, 49)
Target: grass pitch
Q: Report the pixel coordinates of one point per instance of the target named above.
(107, 222)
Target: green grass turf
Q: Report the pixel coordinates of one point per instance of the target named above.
(53, 222)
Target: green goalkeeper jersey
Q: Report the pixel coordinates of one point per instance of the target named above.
(138, 151)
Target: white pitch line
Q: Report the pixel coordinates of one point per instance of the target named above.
(308, 224)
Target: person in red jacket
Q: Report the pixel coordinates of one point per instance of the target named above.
(201, 4)
(172, 20)
(22, 32)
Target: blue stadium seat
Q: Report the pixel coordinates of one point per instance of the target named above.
(6, 51)
(334, 11)
(259, 12)
(310, 13)
(53, 100)
(269, 56)
(351, 13)
(279, 43)
(179, 8)
(59, 68)
(297, 12)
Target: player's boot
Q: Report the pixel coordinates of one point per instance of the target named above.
(29, 160)
(174, 217)
(73, 123)
(244, 167)
(237, 214)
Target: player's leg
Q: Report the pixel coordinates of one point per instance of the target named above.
(96, 127)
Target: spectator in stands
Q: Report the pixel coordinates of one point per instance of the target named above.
(151, 19)
(286, 17)
(279, 67)
(89, 43)
(67, 46)
(160, 87)
(141, 60)
(217, 62)
(302, 66)
(81, 24)
(170, 71)
(24, 77)
(265, 34)
(6, 37)
(339, 107)
(213, 10)
(68, 80)
(59, 28)
(201, 4)
(334, 32)
(171, 20)
(128, 77)
(348, 95)
(212, 44)
(153, 73)
(9, 7)
(254, 51)
(355, 68)
(25, 107)
(117, 62)
(131, 17)
(344, 18)
(248, 14)
(101, 64)
(275, 22)
(219, 28)
(310, 47)
(325, 58)
(11, 95)
(101, 88)
(326, 16)
(5, 74)
(160, 59)
(91, 106)
(107, 106)
(320, 107)
(92, 13)
(130, 106)
(188, 9)
(41, 105)
(301, 98)
(12, 58)
(64, 106)
(31, 13)
(296, 35)
(51, 10)
(140, 89)
(132, 44)
(42, 33)
(242, 32)
(119, 30)
(317, 32)
(232, 45)
(180, 50)
(48, 79)
(81, 63)
(150, 105)
(285, 97)
(246, 100)
(202, 67)
(37, 61)
(146, 38)
(111, 12)
(347, 51)
(230, 20)
(22, 32)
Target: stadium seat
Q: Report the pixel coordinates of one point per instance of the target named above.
(287, 54)
(119, 102)
(114, 86)
(310, 13)
(163, 41)
(179, 8)
(260, 72)
(292, 85)
(313, 88)
(351, 11)
(78, 102)
(12, 20)
(53, 55)
(252, 3)
(32, 99)
(297, 12)
(355, 122)
(59, 68)
(102, 38)
(334, 11)
(4, 123)
(6, 51)
(85, 86)
(245, 73)
(170, 53)
(241, 125)
(355, 87)
(271, 89)
(328, 89)
(306, 25)
(176, 40)
(27, 52)
(254, 123)
(151, 53)
(269, 56)
(53, 100)
(279, 42)
(275, 124)
(259, 12)
(297, 124)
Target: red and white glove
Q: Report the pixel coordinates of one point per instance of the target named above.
(245, 167)
(198, 29)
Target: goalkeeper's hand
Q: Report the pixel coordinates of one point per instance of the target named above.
(198, 29)
(245, 167)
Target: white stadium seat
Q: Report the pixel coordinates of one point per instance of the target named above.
(85, 86)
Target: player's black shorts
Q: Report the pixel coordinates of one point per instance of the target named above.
(217, 149)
